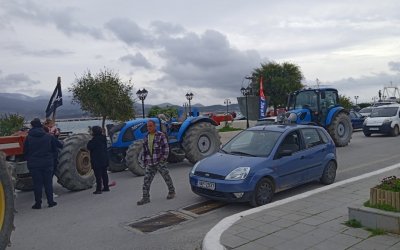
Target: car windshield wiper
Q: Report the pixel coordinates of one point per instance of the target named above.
(223, 151)
(242, 153)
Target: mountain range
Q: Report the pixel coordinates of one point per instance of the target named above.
(30, 107)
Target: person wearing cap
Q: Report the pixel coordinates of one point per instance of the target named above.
(39, 149)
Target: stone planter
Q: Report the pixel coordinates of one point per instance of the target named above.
(379, 196)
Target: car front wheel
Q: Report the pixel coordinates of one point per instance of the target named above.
(263, 192)
(329, 174)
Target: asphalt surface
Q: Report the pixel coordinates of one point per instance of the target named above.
(86, 221)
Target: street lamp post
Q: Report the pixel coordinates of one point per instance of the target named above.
(189, 97)
(227, 102)
(246, 92)
(141, 94)
(356, 97)
(185, 106)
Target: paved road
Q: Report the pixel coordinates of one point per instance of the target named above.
(86, 221)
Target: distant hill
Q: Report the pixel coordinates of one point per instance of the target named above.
(30, 107)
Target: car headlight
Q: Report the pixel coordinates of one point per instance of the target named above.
(238, 173)
(387, 121)
(194, 168)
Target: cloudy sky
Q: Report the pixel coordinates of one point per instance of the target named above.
(204, 47)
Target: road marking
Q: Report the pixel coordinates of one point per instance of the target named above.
(212, 239)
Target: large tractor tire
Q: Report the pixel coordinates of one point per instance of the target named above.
(116, 162)
(341, 129)
(176, 155)
(132, 159)
(24, 183)
(74, 170)
(200, 140)
(6, 204)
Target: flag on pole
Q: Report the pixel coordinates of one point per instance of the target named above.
(55, 99)
(263, 102)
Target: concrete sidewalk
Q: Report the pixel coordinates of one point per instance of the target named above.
(312, 220)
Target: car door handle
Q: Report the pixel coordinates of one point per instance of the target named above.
(302, 157)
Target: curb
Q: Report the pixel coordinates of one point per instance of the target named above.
(212, 239)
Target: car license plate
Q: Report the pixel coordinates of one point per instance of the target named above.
(373, 128)
(206, 185)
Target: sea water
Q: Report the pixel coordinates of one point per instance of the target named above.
(79, 126)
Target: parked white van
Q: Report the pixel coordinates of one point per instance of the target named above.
(383, 120)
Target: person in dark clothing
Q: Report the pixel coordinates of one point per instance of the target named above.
(97, 147)
(39, 150)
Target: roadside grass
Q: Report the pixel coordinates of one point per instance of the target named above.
(384, 207)
(356, 224)
(228, 129)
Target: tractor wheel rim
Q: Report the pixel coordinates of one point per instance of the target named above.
(2, 205)
(204, 144)
(83, 162)
(341, 129)
(141, 163)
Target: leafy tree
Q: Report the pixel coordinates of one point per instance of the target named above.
(364, 104)
(278, 81)
(104, 95)
(10, 123)
(345, 101)
(168, 111)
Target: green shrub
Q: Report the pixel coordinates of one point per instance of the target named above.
(390, 183)
(10, 123)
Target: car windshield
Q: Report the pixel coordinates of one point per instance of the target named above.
(365, 110)
(257, 143)
(384, 112)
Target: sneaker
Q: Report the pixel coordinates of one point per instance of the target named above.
(143, 201)
(170, 195)
(37, 206)
(53, 204)
(97, 192)
(105, 190)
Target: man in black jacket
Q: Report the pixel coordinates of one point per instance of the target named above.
(39, 150)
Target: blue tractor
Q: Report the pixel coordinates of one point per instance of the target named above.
(194, 139)
(320, 106)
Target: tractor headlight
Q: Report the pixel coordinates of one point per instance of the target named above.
(238, 173)
(114, 137)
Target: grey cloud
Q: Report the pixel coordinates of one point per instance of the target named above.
(137, 60)
(61, 18)
(364, 86)
(394, 66)
(16, 80)
(19, 49)
(129, 32)
(165, 28)
(207, 61)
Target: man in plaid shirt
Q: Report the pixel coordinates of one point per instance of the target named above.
(155, 154)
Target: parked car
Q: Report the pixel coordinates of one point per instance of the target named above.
(366, 111)
(357, 119)
(383, 120)
(264, 160)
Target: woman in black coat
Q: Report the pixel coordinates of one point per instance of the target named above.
(99, 159)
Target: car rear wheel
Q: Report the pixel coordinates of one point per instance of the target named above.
(329, 174)
(263, 192)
